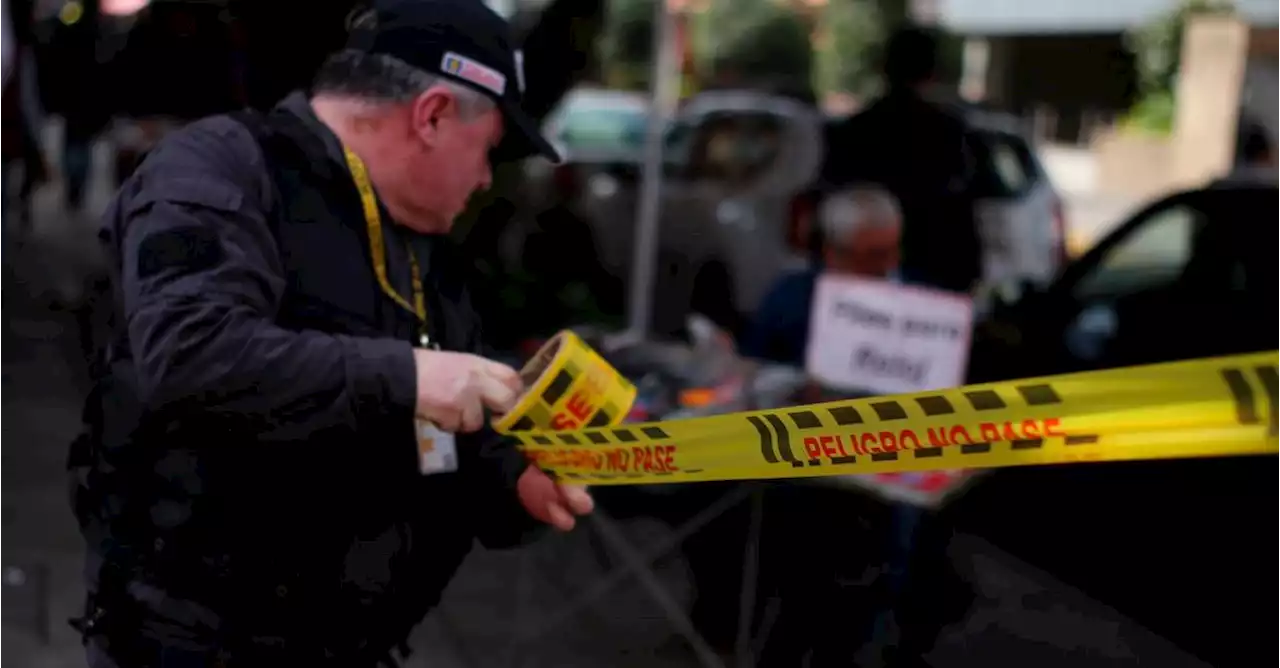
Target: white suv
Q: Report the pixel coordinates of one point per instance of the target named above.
(1020, 217)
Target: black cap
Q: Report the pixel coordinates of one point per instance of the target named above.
(463, 40)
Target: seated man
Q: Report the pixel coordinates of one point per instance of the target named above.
(861, 229)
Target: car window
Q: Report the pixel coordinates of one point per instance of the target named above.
(1152, 254)
(602, 128)
(1005, 166)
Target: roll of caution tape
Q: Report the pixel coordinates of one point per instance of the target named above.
(1211, 407)
(568, 386)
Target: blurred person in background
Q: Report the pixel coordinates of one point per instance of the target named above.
(23, 158)
(861, 231)
(1255, 154)
(916, 147)
(179, 61)
(77, 91)
(860, 235)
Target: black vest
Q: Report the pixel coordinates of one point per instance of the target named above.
(337, 539)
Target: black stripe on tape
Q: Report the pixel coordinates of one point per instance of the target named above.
(845, 415)
(1039, 395)
(1246, 412)
(624, 436)
(935, 405)
(845, 459)
(805, 420)
(888, 410)
(523, 424)
(693, 470)
(923, 453)
(975, 448)
(543, 440)
(784, 440)
(597, 437)
(884, 456)
(557, 387)
(1027, 443)
(766, 439)
(984, 400)
(1267, 374)
(568, 439)
(654, 432)
(815, 462)
(601, 418)
(1082, 439)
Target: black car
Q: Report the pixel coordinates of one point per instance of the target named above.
(1186, 548)
(1191, 275)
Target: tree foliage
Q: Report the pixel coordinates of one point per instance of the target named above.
(1157, 46)
(1157, 51)
(627, 45)
(850, 37)
(759, 44)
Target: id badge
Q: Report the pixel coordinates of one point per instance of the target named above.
(436, 451)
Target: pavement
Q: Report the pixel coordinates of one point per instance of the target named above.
(509, 608)
(1091, 214)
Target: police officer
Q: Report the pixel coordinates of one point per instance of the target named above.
(271, 475)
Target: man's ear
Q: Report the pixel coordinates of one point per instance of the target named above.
(428, 109)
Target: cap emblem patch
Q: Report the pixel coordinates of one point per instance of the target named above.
(469, 70)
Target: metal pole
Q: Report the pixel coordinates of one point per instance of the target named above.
(663, 93)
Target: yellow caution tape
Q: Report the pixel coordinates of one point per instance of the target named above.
(568, 386)
(567, 423)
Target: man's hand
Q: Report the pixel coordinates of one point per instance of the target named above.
(455, 388)
(550, 502)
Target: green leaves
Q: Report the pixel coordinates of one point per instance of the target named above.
(1157, 50)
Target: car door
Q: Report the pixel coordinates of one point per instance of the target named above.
(1108, 295)
(1174, 283)
(1075, 323)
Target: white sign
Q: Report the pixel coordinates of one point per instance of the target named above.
(882, 338)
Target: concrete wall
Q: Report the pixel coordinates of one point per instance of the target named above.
(1227, 68)
(1210, 83)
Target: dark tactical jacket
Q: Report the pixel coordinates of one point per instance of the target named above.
(248, 482)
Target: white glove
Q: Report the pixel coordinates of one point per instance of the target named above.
(455, 388)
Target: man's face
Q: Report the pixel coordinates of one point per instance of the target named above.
(870, 252)
(452, 160)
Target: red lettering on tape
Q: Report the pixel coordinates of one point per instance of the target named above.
(832, 446)
(579, 406)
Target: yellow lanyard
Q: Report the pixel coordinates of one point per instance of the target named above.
(373, 221)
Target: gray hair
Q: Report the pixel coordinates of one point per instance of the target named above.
(843, 214)
(381, 79)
